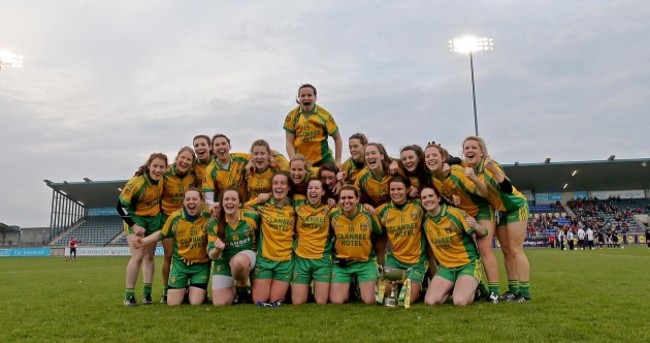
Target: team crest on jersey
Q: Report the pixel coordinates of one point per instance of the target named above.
(414, 216)
(173, 280)
(218, 268)
(363, 226)
(448, 230)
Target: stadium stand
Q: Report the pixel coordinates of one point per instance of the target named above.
(94, 231)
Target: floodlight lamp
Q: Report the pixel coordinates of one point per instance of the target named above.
(547, 160)
(469, 44)
(565, 186)
(611, 157)
(9, 59)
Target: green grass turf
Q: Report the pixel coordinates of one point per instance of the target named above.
(585, 296)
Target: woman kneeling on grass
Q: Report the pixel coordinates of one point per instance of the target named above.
(354, 228)
(232, 242)
(448, 232)
(313, 246)
(190, 263)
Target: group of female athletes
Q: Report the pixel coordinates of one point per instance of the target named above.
(311, 225)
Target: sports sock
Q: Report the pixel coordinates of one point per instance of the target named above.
(129, 293)
(524, 288)
(494, 287)
(513, 286)
(165, 288)
(146, 289)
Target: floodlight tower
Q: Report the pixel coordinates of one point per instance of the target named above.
(10, 60)
(468, 45)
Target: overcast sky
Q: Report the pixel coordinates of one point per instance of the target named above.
(105, 83)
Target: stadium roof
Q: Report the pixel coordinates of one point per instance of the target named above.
(608, 175)
(92, 194)
(8, 228)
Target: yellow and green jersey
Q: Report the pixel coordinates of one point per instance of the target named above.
(200, 169)
(403, 225)
(141, 196)
(239, 236)
(449, 237)
(218, 178)
(501, 201)
(190, 236)
(374, 191)
(278, 226)
(311, 131)
(174, 188)
(259, 182)
(351, 170)
(312, 229)
(353, 236)
(457, 183)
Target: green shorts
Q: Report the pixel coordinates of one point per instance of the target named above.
(486, 212)
(452, 274)
(415, 272)
(150, 224)
(276, 270)
(518, 215)
(365, 271)
(326, 158)
(306, 269)
(197, 274)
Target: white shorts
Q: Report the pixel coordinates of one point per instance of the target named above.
(223, 281)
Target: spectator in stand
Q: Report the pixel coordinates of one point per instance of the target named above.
(647, 235)
(590, 238)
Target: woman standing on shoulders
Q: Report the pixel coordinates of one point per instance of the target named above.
(308, 127)
(139, 207)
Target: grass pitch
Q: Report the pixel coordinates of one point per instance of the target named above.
(585, 296)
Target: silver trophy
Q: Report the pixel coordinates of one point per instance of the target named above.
(395, 278)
